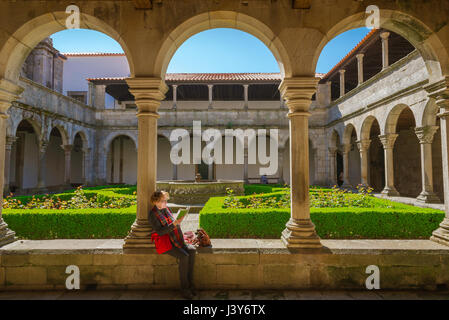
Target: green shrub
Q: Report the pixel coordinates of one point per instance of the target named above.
(397, 222)
(70, 223)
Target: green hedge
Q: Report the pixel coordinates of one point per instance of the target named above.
(70, 223)
(399, 222)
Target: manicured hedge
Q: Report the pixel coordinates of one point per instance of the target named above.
(70, 223)
(398, 222)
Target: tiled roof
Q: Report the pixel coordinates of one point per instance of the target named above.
(207, 77)
(358, 46)
(93, 54)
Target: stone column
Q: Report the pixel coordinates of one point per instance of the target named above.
(425, 136)
(333, 166)
(346, 149)
(245, 94)
(10, 140)
(360, 67)
(342, 82)
(388, 144)
(9, 92)
(385, 61)
(300, 231)
(41, 166)
(281, 164)
(245, 164)
(148, 93)
(86, 167)
(175, 96)
(210, 87)
(364, 160)
(439, 91)
(67, 163)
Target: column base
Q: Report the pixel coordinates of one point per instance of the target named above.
(301, 234)
(6, 235)
(138, 239)
(441, 235)
(390, 192)
(427, 197)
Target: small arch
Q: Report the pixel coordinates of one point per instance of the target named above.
(222, 19)
(26, 37)
(409, 27)
(365, 131)
(393, 117)
(114, 135)
(349, 132)
(84, 137)
(62, 132)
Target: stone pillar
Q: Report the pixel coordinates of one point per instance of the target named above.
(41, 166)
(360, 67)
(281, 164)
(388, 144)
(86, 167)
(333, 166)
(210, 172)
(425, 136)
(385, 61)
(100, 96)
(342, 82)
(148, 93)
(300, 231)
(245, 164)
(364, 160)
(210, 87)
(67, 163)
(10, 140)
(439, 91)
(175, 96)
(91, 94)
(346, 149)
(245, 94)
(8, 93)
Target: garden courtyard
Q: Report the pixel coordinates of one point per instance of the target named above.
(107, 212)
(86, 227)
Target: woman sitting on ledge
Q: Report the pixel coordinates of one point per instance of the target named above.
(163, 223)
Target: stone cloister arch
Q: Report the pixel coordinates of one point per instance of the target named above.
(372, 154)
(121, 151)
(351, 157)
(302, 33)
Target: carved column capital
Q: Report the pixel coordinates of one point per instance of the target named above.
(43, 144)
(426, 134)
(346, 148)
(67, 147)
(388, 140)
(10, 140)
(148, 94)
(297, 92)
(333, 150)
(363, 145)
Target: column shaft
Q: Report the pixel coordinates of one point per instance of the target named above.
(8, 147)
(425, 136)
(332, 167)
(148, 93)
(388, 144)
(364, 160)
(300, 231)
(67, 163)
(346, 182)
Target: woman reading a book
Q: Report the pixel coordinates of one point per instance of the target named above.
(168, 238)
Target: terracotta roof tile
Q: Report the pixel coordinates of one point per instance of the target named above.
(358, 46)
(206, 77)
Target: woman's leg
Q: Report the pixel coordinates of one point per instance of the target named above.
(191, 250)
(183, 266)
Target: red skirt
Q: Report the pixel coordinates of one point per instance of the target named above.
(162, 243)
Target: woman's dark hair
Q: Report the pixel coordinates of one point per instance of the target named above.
(158, 195)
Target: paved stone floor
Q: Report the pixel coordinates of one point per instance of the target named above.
(224, 295)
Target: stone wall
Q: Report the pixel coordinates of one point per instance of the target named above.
(230, 264)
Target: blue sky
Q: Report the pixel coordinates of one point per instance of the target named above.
(215, 50)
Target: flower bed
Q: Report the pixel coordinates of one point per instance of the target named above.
(366, 217)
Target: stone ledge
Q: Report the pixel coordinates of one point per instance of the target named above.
(262, 246)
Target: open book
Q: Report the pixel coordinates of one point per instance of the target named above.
(182, 213)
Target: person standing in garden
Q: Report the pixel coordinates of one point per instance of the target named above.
(168, 238)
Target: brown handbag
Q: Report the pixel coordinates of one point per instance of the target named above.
(202, 239)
